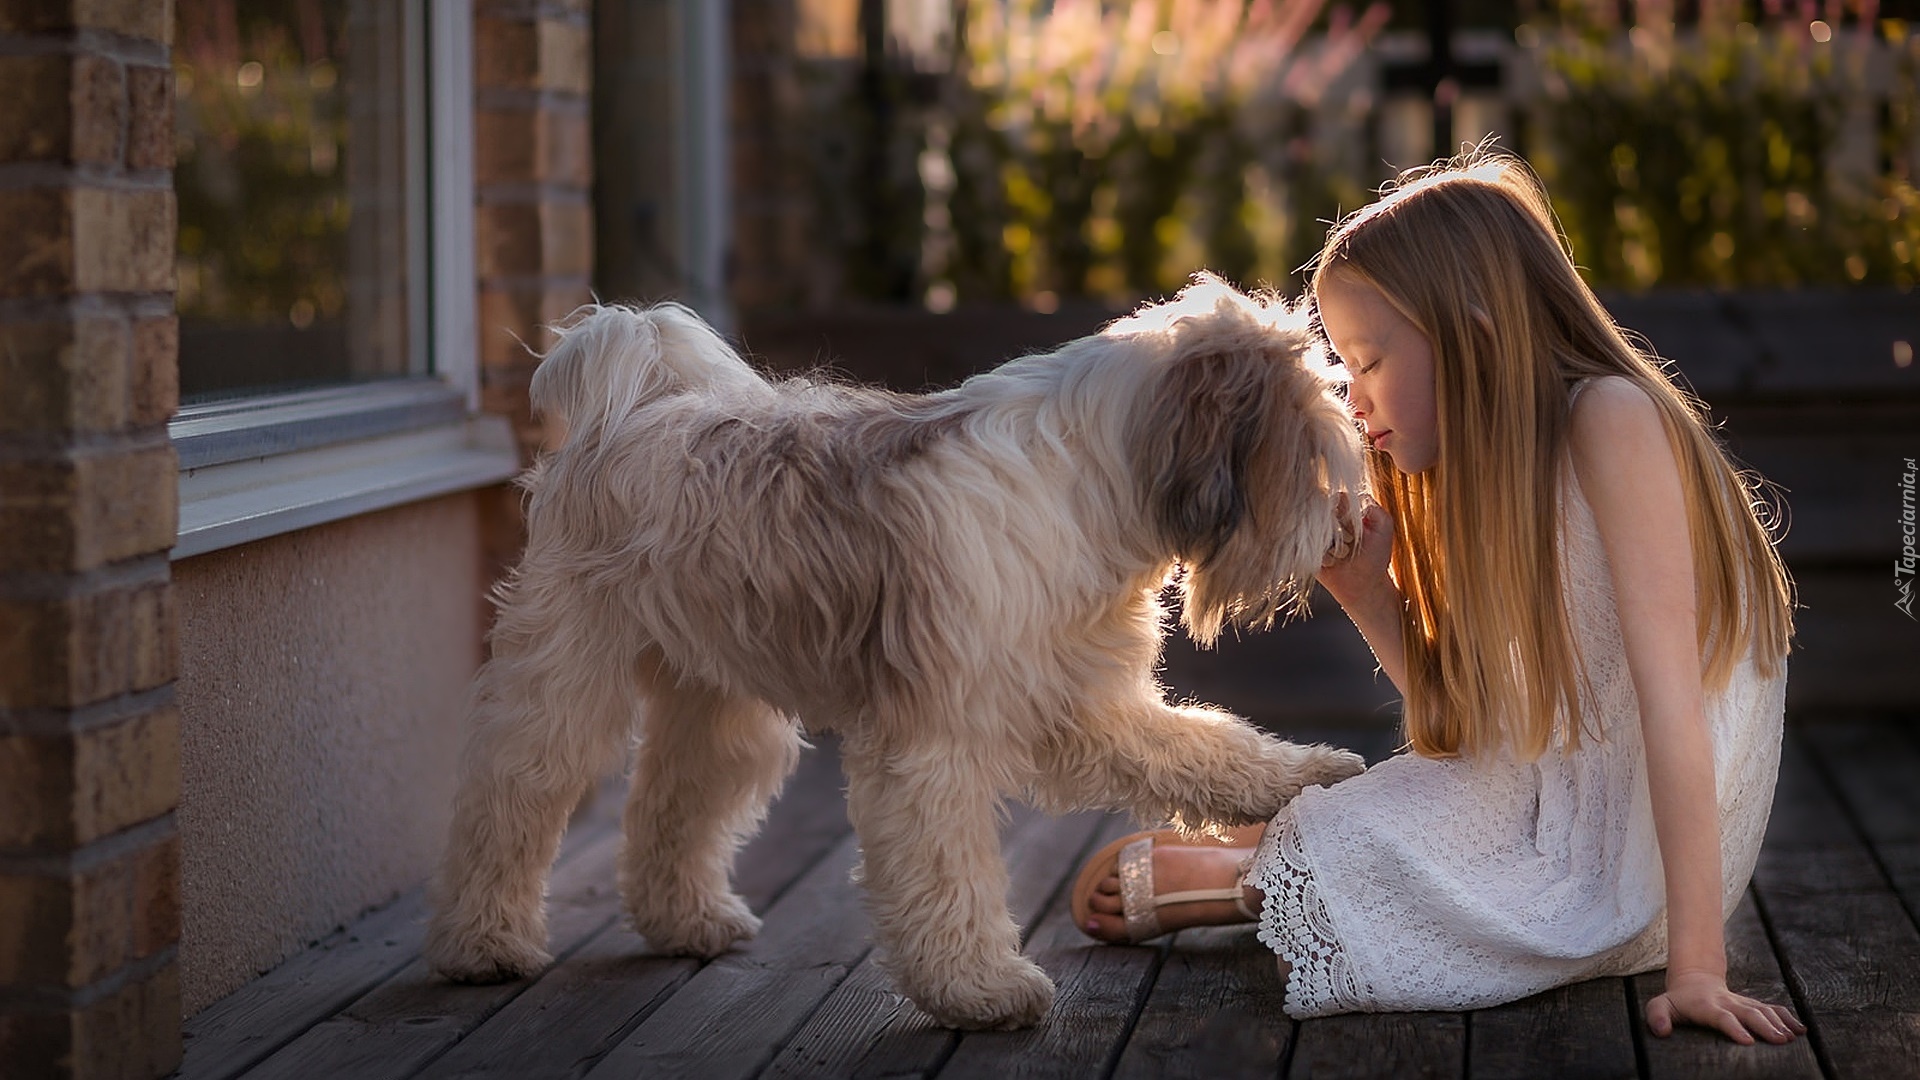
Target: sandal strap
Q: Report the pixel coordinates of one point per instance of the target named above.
(1141, 905)
(1136, 890)
(1194, 896)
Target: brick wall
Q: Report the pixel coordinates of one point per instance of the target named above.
(89, 734)
(772, 263)
(533, 222)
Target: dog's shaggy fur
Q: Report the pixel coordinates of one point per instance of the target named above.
(964, 584)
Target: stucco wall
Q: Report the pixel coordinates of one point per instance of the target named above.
(322, 682)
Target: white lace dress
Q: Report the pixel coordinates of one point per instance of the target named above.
(1456, 884)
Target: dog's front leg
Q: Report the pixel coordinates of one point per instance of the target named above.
(936, 887)
(1193, 765)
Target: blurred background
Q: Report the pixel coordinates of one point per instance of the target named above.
(918, 189)
(915, 190)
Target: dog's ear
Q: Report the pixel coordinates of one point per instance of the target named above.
(1248, 453)
(1197, 437)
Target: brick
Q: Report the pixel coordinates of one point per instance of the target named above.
(150, 118)
(566, 239)
(86, 240)
(68, 376)
(509, 317)
(71, 931)
(63, 108)
(566, 58)
(155, 377)
(155, 638)
(124, 910)
(99, 110)
(130, 505)
(126, 773)
(133, 1032)
(76, 650)
(507, 240)
(36, 247)
(85, 510)
(75, 788)
(37, 124)
(505, 145)
(566, 149)
(37, 530)
(532, 146)
(123, 240)
(534, 239)
(36, 806)
(506, 53)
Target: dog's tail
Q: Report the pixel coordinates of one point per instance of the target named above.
(611, 359)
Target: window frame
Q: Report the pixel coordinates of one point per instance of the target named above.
(258, 466)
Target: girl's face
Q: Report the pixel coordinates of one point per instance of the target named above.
(1390, 362)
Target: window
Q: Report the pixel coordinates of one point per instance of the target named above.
(302, 238)
(325, 287)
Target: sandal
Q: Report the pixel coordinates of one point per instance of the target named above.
(1130, 858)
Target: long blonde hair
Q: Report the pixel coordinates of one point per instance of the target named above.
(1468, 250)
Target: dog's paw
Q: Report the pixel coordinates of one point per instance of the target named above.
(705, 933)
(1330, 765)
(1272, 781)
(491, 957)
(1003, 998)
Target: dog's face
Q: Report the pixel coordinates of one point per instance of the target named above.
(1243, 449)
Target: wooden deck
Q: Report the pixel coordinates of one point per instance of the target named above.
(1830, 923)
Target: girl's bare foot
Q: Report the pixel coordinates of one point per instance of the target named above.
(1177, 868)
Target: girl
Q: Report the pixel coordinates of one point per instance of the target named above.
(1575, 594)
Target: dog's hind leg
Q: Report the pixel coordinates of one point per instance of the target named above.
(936, 884)
(707, 765)
(551, 710)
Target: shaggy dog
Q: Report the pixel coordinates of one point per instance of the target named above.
(965, 584)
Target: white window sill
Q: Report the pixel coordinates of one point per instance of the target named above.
(237, 502)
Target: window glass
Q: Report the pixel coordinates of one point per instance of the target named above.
(294, 121)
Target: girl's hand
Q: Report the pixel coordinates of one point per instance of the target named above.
(1365, 567)
(1702, 998)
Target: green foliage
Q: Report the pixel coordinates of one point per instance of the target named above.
(1713, 160)
(1110, 150)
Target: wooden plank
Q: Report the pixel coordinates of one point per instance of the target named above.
(1752, 969)
(266, 1014)
(1578, 1032)
(1217, 1008)
(1875, 767)
(1358, 1046)
(865, 1028)
(412, 1017)
(237, 1031)
(728, 1020)
(1098, 990)
(1811, 848)
(1848, 947)
(577, 1012)
(573, 1015)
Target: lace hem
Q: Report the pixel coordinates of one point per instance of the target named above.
(1294, 923)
